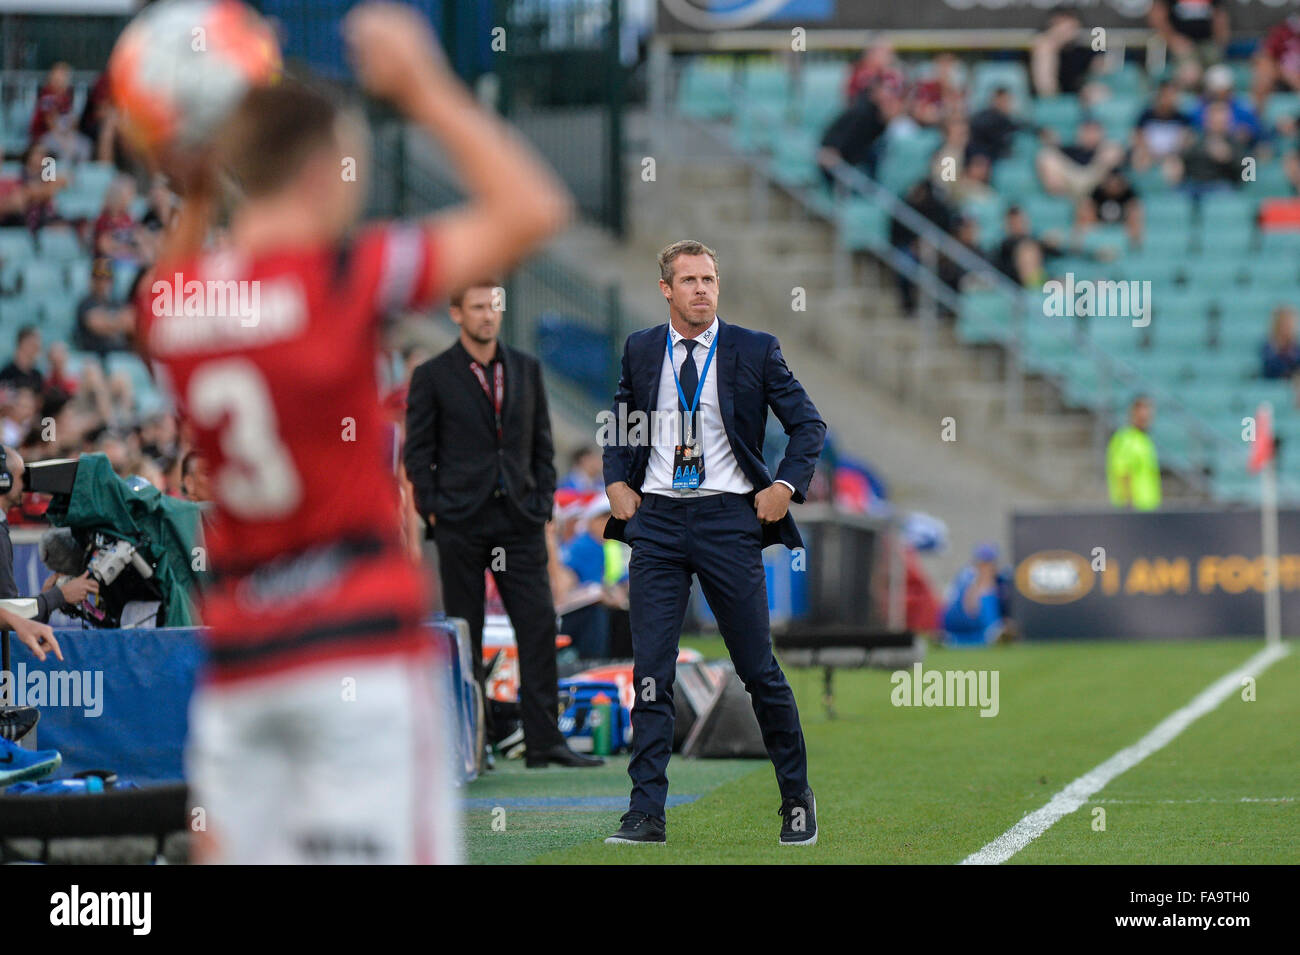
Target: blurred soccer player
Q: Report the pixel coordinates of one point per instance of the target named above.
(313, 734)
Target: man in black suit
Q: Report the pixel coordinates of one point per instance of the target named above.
(692, 496)
(479, 455)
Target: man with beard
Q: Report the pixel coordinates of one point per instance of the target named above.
(480, 458)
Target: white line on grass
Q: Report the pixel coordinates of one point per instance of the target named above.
(1077, 793)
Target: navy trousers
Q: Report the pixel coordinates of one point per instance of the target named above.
(718, 538)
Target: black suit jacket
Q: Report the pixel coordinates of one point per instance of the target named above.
(451, 441)
(752, 377)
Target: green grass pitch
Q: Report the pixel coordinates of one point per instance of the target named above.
(932, 785)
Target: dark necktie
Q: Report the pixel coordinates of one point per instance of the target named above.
(689, 377)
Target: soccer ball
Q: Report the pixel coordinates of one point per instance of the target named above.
(181, 66)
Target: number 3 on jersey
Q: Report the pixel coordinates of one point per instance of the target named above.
(257, 479)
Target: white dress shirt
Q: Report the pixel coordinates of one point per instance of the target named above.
(722, 473)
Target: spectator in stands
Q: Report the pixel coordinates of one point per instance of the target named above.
(196, 482)
(876, 67)
(949, 160)
(1244, 125)
(103, 324)
(586, 472)
(953, 274)
(116, 230)
(21, 372)
(1281, 350)
(1062, 57)
(584, 555)
(993, 129)
(54, 102)
(852, 137)
(1162, 131)
(20, 413)
(1277, 62)
(1213, 160)
(1132, 467)
(939, 94)
(1021, 256)
(925, 198)
(157, 217)
(1192, 29)
(1114, 202)
(978, 608)
(41, 183)
(973, 183)
(99, 120)
(1077, 169)
(60, 380)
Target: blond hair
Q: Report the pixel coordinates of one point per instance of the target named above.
(682, 247)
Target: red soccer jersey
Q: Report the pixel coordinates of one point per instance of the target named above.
(273, 362)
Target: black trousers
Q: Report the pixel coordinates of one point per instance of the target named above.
(719, 540)
(469, 547)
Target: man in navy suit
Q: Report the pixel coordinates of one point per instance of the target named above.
(691, 495)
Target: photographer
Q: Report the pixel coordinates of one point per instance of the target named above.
(11, 491)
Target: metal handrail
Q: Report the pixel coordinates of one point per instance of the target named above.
(857, 182)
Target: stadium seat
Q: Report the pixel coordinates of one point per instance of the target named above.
(906, 160)
(705, 88)
(1270, 180)
(1015, 178)
(1280, 243)
(1218, 265)
(59, 244)
(1105, 240)
(991, 74)
(1061, 113)
(1172, 212)
(1281, 106)
(41, 277)
(984, 317)
(821, 94)
(794, 163)
(1118, 114)
(758, 124)
(1116, 335)
(1267, 272)
(863, 225)
(1228, 210)
(1047, 213)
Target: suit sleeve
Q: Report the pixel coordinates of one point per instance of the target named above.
(543, 446)
(616, 455)
(798, 415)
(422, 438)
(47, 602)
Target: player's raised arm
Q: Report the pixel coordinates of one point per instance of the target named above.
(515, 202)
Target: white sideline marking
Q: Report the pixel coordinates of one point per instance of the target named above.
(1188, 802)
(1077, 793)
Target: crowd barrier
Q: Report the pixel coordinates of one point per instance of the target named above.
(120, 699)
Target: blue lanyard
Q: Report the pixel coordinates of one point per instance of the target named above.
(699, 389)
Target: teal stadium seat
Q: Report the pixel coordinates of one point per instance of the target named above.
(991, 74)
(1048, 213)
(863, 226)
(705, 89)
(1272, 272)
(794, 163)
(906, 160)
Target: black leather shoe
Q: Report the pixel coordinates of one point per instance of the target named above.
(637, 827)
(799, 820)
(562, 756)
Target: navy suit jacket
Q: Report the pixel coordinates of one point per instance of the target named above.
(752, 377)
